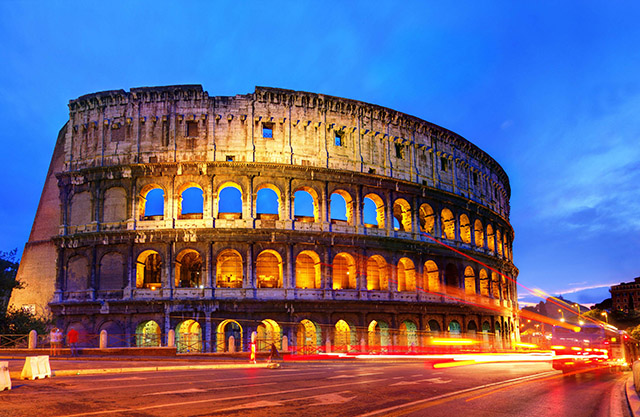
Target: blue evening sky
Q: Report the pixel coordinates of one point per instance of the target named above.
(549, 89)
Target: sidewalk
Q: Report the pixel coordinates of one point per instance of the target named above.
(86, 365)
(633, 398)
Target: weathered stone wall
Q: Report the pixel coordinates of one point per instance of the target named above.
(91, 243)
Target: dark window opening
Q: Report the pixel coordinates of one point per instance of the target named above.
(165, 133)
(372, 170)
(192, 129)
(475, 178)
(399, 151)
(230, 158)
(444, 164)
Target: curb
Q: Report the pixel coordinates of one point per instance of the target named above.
(72, 372)
(632, 398)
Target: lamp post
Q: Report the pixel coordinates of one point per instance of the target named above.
(562, 313)
(606, 316)
(580, 321)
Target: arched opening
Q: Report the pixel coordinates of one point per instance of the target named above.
(406, 275)
(451, 277)
(448, 224)
(191, 203)
(427, 219)
(342, 337)
(305, 205)
(495, 286)
(486, 327)
(469, 281)
(229, 272)
(268, 333)
(465, 229)
(229, 201)
(499, 242)
(484, 283)
(454, 328)
(490, 239)
(267, 203)
(189, 337)
(402, 214)
(188, 272)
(479, 233)
(407, 335)
(148, 334)
(308, 273)
(152, 202)
(378, 336)
(307, 337)
(225, 330)
(433, 276)
(149, 270)
(269, 269)
(433, 327)
(115, 334)
(341, 207)
(373, 211)
(344, 272)
(472, 328)
(377, 273)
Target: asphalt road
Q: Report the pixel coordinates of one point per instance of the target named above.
(326, 389)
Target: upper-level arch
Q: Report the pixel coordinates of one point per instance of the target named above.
(229, 269)
(230, 200)
(341, 206)
(306, 205)
(427, 219)
(373, 211)
(190, 201)
(448, 224)
(268, 202)
(151, 202)
(402, 214)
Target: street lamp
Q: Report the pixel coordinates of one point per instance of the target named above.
(606, 316)
(561, 312)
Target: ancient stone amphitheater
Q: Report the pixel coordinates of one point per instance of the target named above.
(322, 221)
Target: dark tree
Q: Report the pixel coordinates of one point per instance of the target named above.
(8, 271)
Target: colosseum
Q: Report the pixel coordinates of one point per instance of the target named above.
(316, 222)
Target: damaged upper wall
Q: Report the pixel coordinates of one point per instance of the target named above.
(184, 124)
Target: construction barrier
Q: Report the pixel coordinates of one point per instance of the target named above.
(5, 378)
(36, 367)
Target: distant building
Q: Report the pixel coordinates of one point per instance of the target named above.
(626, 296)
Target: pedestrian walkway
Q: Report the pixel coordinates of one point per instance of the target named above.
(66, 366)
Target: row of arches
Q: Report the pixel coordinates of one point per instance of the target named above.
(345, 272)
(343, 336)
(305, 206)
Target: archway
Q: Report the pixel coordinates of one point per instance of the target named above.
(373, 211)
(406, 275)
(454, 328)
(189, 337)
(407, 335)
(149, 270)
(342, 337)
(378, 336)
(448, 224)
(188, 272)
(402, 213)
(469, 281)
(307, 337)
(148, 334)
(344, 272)
(225, 330)
(377, 273)
(269, 269)
(308, 273)
(268, 332)
(229, 269)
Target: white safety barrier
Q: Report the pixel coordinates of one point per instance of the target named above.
(36, 367)
(5, 378)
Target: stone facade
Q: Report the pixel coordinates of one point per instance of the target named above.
(98, 258)
(626, 295)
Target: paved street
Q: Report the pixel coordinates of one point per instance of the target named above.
(325, 388)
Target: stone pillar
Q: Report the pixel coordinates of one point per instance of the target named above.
(33, 339)
(103, 339)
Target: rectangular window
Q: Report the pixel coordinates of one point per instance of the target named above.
(444, 164)
(267, 130)
(399, 150)
(475, 178)
(338, 135)
(230, 158)
(192, 129)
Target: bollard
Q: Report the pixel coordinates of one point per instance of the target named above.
(328, 345)
(285, 343)
(36, 367)
(33, 339)
(232, 344)
(103, 339)
(5, 377)
(171, 338)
